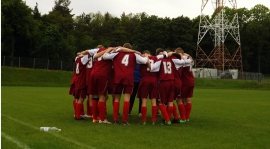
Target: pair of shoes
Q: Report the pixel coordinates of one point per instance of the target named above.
(167, 123)
(104, 122)
(126, 123)
(176, 121)
(143, 123)
(95, 121)
(182, 121)
(140, 114)
(115, 123)
(86, 116)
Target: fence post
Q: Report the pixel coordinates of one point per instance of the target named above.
(19, 62)
(34, 63)
(48, 64)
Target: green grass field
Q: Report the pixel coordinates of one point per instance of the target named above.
(220, 118)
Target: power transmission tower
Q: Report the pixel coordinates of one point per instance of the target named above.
(220, 57)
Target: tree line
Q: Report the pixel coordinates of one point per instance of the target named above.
(59, 35)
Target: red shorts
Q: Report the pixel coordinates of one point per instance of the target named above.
(72, 89)
(98, 85)
(148, 87)
(166, 91)
(178, 86)
(187, 91)
(126, 89)
(80, 93)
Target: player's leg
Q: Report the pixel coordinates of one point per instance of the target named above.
(154, 110)
(144, 110)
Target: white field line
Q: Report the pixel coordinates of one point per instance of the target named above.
(54, 134)
(13, 140)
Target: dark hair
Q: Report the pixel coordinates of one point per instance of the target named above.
(113, 44)
(158, 50)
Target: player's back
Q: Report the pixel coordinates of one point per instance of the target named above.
(124, 65)
(187, 77)
(102, 67)
(167, 69)
(80, 74)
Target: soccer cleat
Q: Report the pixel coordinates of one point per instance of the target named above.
(126, 123)
(182, 121)
(167, 123)
(176, 121)
(153, 123)
(86, 116)
(143, 123)
(95, 121)
(115, 123)
(104, 122)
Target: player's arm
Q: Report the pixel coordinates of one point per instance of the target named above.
(155, 66)
(84, 59)
(97, 55)
(109, 55)
(123, 49)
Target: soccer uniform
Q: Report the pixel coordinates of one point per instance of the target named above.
(98, 85)
(124, 65)
(89, 68)
(80, 84)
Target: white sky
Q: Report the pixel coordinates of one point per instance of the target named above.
(161, 8)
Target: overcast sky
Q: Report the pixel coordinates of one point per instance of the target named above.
(161, 8)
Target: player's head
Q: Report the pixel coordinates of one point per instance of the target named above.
(100, 46)
(127, 45)
(146, 53)
(113, 44)
(179, 50)
(159, 51)
(168, 50)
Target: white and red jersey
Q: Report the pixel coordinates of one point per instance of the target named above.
(124, 64)
(80, 71)
(90, 64)
(187, 75)
(102, 67)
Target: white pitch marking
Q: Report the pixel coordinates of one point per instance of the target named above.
(13, 140)
(56, 135)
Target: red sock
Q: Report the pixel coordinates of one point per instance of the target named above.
(78, 110)
(74, 106)
(182, 111)
(102, 110)
(175, 113)
(95, 109)
(188, 110)
(115, 111)
(164, 112)
(154, 113)
(143, 111)
(169, 111)
(82, 109)
(125, 111)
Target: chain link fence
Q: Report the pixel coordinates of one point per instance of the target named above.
(37, 63)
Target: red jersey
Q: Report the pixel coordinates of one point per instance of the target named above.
(80, 72)
(124, 64)
(167, 69)
(187, 76)
(145, 71)
(102, 67)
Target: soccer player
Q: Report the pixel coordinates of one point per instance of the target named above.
(166, 86)
(124, 64)
(98, 85)
(89, 68)
(148, 87)
(187, 88)
(72, 87)
(80, 84)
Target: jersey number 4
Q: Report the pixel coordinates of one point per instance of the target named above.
(125, 60)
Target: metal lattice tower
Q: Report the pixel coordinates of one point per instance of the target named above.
(219, 28)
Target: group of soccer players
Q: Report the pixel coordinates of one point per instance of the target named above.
(166, 77)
